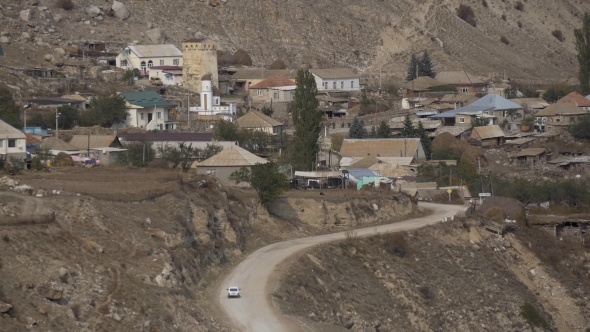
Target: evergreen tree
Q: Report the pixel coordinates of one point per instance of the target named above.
(583, 47)
(425, 68)
(9, 111)
(307, 120)
(373, 133)
(413, 68)
(426, 142)
(357, 129)
(383, 131)
(408, 130)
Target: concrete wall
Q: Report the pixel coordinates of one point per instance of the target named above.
(199, 59)
(135, 61)
(283, 96)
(222, 173)
(18, 151)
(343, 84)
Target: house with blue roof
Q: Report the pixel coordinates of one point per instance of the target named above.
(148, 110)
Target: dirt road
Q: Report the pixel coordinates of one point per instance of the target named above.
(258, 273)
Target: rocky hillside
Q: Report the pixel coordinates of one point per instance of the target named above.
(137, 250)
(365, 35)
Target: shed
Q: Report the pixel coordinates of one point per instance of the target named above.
(531, 155)
(57, 145)
(488, 135)
(228, 161)
(255, 120)
(84, 142)
(107, 155)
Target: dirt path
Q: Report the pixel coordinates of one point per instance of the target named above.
(258, 273)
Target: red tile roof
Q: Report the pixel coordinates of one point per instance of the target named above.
(576, 99)
(273, 82)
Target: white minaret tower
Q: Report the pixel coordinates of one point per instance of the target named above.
(206, 93)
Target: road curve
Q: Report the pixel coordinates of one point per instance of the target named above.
(256, 275)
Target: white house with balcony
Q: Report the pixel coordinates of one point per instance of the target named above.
(148, 110)
(13, 142)
(211, 105)
(338, 79)
(143, 57)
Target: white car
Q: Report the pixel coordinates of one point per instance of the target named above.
(233, 291)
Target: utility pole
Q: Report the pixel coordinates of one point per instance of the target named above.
(25, 130)
(188, 105)
(56, 127)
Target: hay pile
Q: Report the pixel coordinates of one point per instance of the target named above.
(242, 58)
(444, 140)
(462, 148)
(63, 160)
(227, 60)
(278, 64)
(512, 209)
(495, 213)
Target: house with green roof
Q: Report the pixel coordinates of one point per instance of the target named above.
(148, 110)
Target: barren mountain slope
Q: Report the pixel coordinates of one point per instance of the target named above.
(362, 34)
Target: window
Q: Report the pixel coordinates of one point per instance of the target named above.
(128, 51)
(161, 62)
(293, 95)
(12, 143)
(211, 171)
(159, 115)
(142, 65)
(325, 85)
(352, 84)
(141, 116)
(485, 112)
(276, 95)
(556, 120)
(464, 90)
(572, 120)
(123, 63)
(1, 143)
(150, 63)
(504, 114)
(259, 92)
(334, 85)
(461, 120)
(176, 62)
(342, 85)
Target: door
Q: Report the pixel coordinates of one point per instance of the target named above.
(150, 115)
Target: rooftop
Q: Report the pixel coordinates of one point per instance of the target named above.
(262, 73)
(82, 142)
(167, 137)
(54, 143)
(534, 103)
(470, 109)
(8, 131)
(382, 147)
(560, 109)
(422, 83)
(151, 51)
(334, 73)
(458, 77)
(487, 132)
(498, 103)
(256, 119)
(576, 99)
(233, 156)
(53, 101)
(273, 82)
(532, 152)
(146, 99)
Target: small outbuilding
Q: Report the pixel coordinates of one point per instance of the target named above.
(532, 155)
(488, 135)
(228, 161)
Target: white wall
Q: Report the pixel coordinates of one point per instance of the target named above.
(134, 118)
(135, 61)
(343, 84)
(19, 150)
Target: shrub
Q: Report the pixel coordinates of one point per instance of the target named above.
(395, 243)
(519, 6)
(504, 40)
(65, 4)
(558, 34)
(519, 24)
(533, 317)
(466, 14)
(504, 17)
(278, 64)
(242, 58)
(484, 3)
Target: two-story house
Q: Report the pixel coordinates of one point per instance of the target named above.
(340, 79)
(143, 57)
(463, 81)
(13, 142)
(558, 115)
(577, 100)
(273, 89)
(148, 110)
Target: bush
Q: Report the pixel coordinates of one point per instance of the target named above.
(519, 24)
(444, 88)
(278, 64)
(559, 35)
(484, 3)
(519, 6)
(466, 14)
(504, 17)
(504, 40)
(533, 317)
(395, 243)
(242, 58)
(65, 4)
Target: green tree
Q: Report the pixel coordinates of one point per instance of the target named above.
(39, 157)
(138, 154)
(426, 141)
(513, 114)
(408, 131)
(445, 154)
(267, 111)
(466, 171)
(253, 140)
(109, 110)
(511, 93)
(266, 179)
(581, 129)
(383, 130)
(182, 155)
(413, 68)
(556, 92)
(9, 111)
(68, 117)
(226, 131)
(307, 120)
(582, 36)
(426, 68)
(357, 129)
(479, 122)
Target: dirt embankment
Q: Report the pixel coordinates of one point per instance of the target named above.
(452, 277)
(141, 264)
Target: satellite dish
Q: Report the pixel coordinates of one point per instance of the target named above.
(104, 151)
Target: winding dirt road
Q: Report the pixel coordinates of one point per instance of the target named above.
(258, 273)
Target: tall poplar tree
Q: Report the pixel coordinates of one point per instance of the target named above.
(307, 120)
(583, 47)
(357, 129)
(426, 142)
(9, 111)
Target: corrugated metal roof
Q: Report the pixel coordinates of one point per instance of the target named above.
(534, 103)
(453, 130)
(384, 147)
(404, 161)
(422, 83)
(576, 99)
(52, 101)
(273, 82)
(560, 109)
(317, 174)
(10, 131)
(498, 103)
(361, 172)
(465, 109)
(347, 161)
(153, 51)
(391, 171)
(146, 99)
(167, 137)
(487, 132)
(458, 77)
(234, 156)
(328, 73)
(256, 119)
(54, 143)
(531, 152)
(96, 141)
(261, 73)
(458, 98)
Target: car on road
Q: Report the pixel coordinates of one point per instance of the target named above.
(233, 291)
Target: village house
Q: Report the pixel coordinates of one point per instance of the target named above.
(463, 81)
(56, 145)
(383, 147)
(104, 148)
(577, 100)
(211, 104)
(532, 155)
(531, 105)
(488, 135)
(172, 140)
(199, 59)
(13, 142)
(170, 75)
(82, 104)
(463, 116)
(336, 79)
(421, 84)
(256, 120)
(411, 188)
(143, 57)
(147, 110)
(273, 89)
(229, 160)
(503, 110)
(458, 100)
(332, 106)
(244, 78)
(558, 115)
